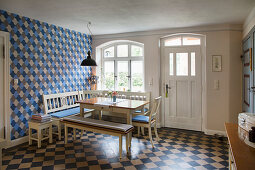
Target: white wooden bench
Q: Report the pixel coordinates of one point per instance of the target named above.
(99, 126)
(62, 105)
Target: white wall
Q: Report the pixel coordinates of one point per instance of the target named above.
(249, 22)
(218, 42)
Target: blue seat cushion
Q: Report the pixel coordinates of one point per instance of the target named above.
(67, 112)
(140, 111)
(141, 118)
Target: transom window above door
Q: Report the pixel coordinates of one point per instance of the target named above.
(182, 41)
(123, 67)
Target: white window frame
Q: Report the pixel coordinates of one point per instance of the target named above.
(129, 58)
(182, 37)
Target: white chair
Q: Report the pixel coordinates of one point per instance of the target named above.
(148, 120)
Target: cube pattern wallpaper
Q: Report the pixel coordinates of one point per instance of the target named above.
(45, 59)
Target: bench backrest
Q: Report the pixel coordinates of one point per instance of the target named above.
(60, 101)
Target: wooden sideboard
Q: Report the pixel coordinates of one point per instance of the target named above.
(241, 156)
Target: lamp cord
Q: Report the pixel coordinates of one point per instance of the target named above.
(88, 26)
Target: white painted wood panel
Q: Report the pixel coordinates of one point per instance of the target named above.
(183, 106)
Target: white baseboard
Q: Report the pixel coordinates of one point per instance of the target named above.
(213, 132)
(16, 142)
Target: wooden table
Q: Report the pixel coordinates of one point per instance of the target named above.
(242, 155)
(125, 106)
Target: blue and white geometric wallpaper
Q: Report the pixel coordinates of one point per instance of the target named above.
(45, 59)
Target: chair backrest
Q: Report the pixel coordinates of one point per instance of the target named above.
(87, 94)
(155, 108)
(60, 101)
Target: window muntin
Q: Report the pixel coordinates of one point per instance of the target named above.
(182, 41)
(124, 75)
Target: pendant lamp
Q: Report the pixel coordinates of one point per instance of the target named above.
(89, 61)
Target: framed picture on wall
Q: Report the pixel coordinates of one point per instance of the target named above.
(216, 63)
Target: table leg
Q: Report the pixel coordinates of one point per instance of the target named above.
(129, 121)
(39, 136)
(82, 115)
(66, 134)
(30, 135)
(142, 128)
(59, 131)
(120, 146)
(50, 133)
(127, 144)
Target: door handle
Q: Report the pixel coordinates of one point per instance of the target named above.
(167, 87)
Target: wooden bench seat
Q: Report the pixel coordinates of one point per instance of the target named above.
(99, 126)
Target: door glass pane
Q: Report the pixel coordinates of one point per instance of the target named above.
(171, 64)
(122, 51)
(122, 75)
(193, 63)
(191, 41)
(181, 64)
(136, 75)
(109, 52)
(173, 41)
(109, 75)
(136, 51)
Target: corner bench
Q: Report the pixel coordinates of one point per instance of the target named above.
(60, 105)
(99, 126)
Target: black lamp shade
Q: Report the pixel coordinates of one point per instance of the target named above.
(88, 61)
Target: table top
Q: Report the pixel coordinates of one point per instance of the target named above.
(125, 103)
(243, 154)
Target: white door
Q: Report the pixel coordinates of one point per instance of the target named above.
(183, 93)
(1, 87)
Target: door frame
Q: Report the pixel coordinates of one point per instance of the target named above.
(203, 74)
(6, 36)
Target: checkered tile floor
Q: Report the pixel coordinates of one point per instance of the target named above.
(177, 149)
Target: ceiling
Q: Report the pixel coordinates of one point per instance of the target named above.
(119, 16)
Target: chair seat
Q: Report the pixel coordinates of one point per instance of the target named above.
(68, 112)
(140, 111)
(141, 118)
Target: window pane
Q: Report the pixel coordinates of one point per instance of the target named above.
(136, 51)
(191, 41)
(109, 75)
(173, 41)
(122, 51)
(122, 75)
(109, 52)
(137, 75)
(193, 64)
(181, 64)
(171, 64)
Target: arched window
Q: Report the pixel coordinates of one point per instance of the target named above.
(122, 66)
(182, 41)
